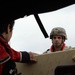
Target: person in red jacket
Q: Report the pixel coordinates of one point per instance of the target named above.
(6, 52)
(58, 37)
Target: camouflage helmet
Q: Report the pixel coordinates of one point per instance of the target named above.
(58, 31)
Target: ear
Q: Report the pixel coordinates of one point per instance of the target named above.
(8, 29)
(52, 40)
(63, 40)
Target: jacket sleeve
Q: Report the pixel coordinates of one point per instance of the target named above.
(20, 56)
(25, 57)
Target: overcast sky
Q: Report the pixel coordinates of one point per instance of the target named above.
(27, 35)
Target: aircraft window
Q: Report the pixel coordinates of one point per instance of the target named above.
(65, 70)
(28, 36)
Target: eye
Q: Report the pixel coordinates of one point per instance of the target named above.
(54, 37)
(59, 37)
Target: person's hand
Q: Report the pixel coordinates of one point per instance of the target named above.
(32, 55)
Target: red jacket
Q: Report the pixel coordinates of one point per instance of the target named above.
(10, 53)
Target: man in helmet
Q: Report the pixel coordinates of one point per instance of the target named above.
(58, 37)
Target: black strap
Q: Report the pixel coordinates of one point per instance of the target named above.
(41, 25)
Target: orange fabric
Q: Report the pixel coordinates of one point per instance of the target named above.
(62, 48)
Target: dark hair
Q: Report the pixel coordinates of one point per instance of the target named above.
(3, 27)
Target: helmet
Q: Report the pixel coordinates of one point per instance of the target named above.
(58, 31)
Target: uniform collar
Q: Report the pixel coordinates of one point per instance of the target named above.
(62, 48)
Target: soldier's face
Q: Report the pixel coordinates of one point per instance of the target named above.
(57, 41)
